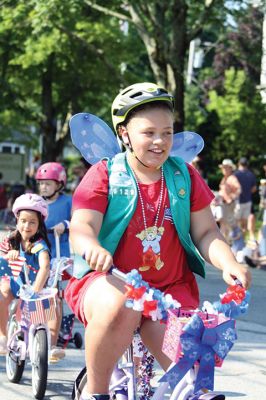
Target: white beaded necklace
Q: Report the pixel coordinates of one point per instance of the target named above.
(142, 202)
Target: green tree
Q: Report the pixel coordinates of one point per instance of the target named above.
(224, 105)
(242, 118)
(166, 29)
(55, 64)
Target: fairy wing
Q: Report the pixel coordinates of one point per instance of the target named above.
(93, 137)
(96, 140)
(187, 145)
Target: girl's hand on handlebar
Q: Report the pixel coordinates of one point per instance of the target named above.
(13, 255)
(98, 258)
(237, 271)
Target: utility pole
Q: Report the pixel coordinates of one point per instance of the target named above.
(263, 60)
(262, 86)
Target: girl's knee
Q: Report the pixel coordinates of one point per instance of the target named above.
(5, 290)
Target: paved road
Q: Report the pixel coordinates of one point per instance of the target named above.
(242, 377)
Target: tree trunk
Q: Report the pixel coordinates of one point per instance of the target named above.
(166, 54)
(48, 123)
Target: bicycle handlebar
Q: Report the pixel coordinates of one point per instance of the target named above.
(152, 302)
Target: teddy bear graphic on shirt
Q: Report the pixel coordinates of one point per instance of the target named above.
(150, 239)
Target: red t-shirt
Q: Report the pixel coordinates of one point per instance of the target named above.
(171, 273)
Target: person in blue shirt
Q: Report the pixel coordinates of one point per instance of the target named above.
(248, 185)
(51, 178)
(30, 241)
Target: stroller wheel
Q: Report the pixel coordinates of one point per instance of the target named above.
(78, 340)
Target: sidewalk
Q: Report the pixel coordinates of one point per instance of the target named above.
(243, 373)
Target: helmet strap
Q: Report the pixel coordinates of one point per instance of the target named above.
(130, 148)
(52, 195)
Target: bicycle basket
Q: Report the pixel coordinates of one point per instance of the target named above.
(42, 309)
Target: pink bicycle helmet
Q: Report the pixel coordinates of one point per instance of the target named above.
(52, 171)
(30, 201)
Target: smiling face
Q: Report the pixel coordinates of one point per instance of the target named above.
(27, 224)
(150, 133)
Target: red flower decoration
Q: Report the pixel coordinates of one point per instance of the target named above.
(134, 293)
(234, 293)
(149, 306)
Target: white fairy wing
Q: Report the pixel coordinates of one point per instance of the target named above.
(187, 145)
(93, 137)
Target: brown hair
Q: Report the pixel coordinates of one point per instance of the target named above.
(15, 237)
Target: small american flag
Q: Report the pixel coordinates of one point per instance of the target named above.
(168, 215)
(16, 265)
(49, 308)
(36, 311)
(39, 311)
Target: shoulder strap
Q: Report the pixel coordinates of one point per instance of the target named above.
(121, 202)
(179, 188)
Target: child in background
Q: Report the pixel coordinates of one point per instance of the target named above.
(237, 242)
(217, 208)
(140, 210)
(29, 240)
(51, 178)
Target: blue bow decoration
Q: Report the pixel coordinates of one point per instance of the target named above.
(201, 344)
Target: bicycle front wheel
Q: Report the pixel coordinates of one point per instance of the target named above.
(14, 364)
(39, 363)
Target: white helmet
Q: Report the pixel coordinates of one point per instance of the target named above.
(30, 201)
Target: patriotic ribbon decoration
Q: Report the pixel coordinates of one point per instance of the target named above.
(154, 304)
(233, 303)
(201, 344)
(141, 297)
(11, 268)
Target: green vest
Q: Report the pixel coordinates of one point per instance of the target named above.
(122, 202)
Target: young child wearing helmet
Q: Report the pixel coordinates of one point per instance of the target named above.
(140, 211)
(51, 178)
(29, 240)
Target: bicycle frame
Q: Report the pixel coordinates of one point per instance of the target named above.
(124, 376)
(25, 344)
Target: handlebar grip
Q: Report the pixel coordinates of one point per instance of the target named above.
(81, 268)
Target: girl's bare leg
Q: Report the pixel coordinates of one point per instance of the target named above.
(152, 334)
(54, 325)
(109, 331)
(5, 299)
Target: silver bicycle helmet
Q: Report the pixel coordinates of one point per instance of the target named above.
(135, 95)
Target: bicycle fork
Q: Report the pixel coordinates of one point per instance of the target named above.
(123, 382)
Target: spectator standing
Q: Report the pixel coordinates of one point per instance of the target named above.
(229, 190)
(248, 184)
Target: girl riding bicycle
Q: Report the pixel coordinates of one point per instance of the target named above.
(142, 210)
(30, 241)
